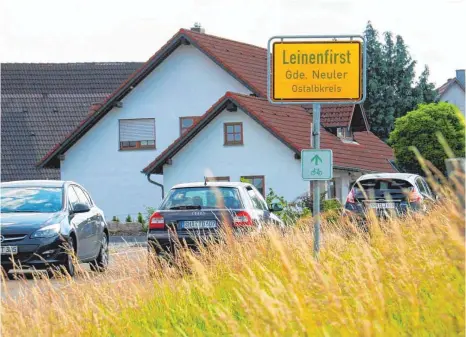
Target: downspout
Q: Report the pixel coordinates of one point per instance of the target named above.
(156, 183)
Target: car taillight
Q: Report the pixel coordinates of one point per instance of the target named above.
(350, 197)
(242, 218)
(414, 196)
(156, 221)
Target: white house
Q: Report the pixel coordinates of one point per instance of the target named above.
(162, 107)
(453, 91)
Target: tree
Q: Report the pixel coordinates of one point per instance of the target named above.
(403, 78)
(374, 103)
(418, 128)
(391, 87)
(424, 90)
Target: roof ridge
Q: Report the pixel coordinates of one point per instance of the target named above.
(184, 30)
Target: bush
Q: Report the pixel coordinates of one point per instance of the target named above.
(128, 218)
(115, 219)
(141, 219)
(331, 204)
(419, 129)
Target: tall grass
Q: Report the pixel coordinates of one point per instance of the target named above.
(404, 278)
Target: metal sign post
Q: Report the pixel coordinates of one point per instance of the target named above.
(316, 185)
(317, 70)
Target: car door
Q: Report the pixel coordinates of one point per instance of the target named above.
(92, 227)
(78, 221)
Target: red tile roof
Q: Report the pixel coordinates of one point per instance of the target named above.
(291, 125)
(441, 90)
(245, 62)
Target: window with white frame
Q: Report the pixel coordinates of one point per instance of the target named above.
(136, 134)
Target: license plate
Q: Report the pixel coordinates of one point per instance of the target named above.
(382, 205)
(8, 250)
(199, 224)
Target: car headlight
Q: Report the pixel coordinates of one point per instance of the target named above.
(47, 231)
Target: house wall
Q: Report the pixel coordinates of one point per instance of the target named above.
(187, 83)
(455, 95)
(261, 154)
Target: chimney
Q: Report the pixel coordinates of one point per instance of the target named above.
(460, 76)
(197, 28)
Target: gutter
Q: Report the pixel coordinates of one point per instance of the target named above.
(156, 183)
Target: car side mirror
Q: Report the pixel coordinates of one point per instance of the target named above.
(275, 208)
(81, 208)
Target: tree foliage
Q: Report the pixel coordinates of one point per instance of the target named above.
(419, 128)
(392, 88)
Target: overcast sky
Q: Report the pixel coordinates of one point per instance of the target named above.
(132, 30)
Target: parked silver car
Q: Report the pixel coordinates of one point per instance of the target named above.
(388, 194)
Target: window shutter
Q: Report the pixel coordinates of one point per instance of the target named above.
(132, 130)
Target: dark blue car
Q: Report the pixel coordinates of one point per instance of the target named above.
(45, 223)
(197, 211)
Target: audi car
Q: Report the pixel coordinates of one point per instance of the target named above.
(193, 212)
(45, 224)
(388, 194)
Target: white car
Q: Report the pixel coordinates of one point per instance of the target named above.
(389, 193)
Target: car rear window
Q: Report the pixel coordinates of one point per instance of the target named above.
(396, 188)
(202, 197)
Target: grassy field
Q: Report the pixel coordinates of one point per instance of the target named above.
(402, 279)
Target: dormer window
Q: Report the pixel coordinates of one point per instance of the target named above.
(345, 133)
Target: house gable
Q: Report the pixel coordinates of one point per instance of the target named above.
(260, 154)
(233, 57)
(454, 93)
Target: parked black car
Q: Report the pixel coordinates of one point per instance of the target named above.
(44, 222)
(196, 211)
(388, 194)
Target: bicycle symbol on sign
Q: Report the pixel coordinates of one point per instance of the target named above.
(316, 171)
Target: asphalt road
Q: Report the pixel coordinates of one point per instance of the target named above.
(121, 249)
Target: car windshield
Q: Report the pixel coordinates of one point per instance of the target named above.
(202, 198)
(31, 199)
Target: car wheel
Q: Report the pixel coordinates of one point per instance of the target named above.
(68, 263)
(100, 264)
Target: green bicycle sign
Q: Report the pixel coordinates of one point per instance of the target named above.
(317, 164)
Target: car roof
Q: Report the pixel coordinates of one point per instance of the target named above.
(34, 183)
(402, 176)
(213, 184)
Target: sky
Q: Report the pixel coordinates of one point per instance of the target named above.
(133, 30)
